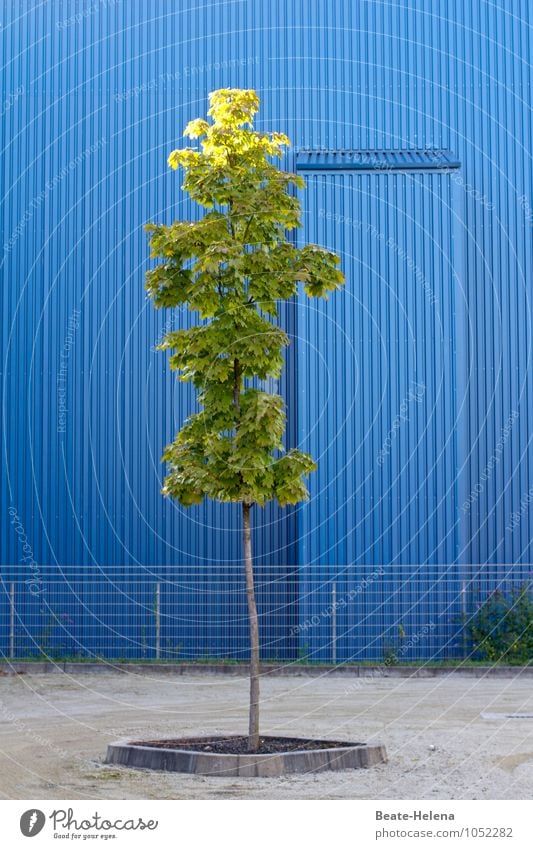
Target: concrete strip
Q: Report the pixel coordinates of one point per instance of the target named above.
(241, 669)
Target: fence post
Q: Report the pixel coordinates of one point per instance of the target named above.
(334, 622)
(157, 621)
(463, 612)
(12, 620)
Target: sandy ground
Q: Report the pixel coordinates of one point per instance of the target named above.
(54, 730)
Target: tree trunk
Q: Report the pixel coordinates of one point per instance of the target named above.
(253, 728)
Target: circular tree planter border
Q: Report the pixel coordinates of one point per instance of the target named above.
(340, 756)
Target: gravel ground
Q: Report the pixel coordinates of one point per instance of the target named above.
(54, 730)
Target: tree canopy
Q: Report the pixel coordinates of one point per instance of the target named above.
(233, 267)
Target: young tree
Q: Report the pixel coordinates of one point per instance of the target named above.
(233, 267)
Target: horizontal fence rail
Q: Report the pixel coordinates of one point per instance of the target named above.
(386, 614)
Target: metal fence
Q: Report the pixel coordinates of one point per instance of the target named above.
(311, 614)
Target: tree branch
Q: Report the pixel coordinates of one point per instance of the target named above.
(237, 377)
(247, 228)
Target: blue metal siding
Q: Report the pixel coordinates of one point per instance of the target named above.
(91, 108)
(377, 372)
(91, 494)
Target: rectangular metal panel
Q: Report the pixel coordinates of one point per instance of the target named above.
(377, 373)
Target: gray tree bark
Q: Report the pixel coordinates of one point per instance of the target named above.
(253, 727)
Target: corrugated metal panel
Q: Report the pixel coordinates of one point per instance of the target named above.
(377, 373)
(92, 104)
(106, 90)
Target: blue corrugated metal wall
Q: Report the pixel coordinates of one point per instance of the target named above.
(383, 421)
(94, 95)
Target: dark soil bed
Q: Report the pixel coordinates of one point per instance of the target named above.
(239, 745)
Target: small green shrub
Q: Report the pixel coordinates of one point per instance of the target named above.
(303, 653)
(501, 629)
(393, 650)
(390, 655)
